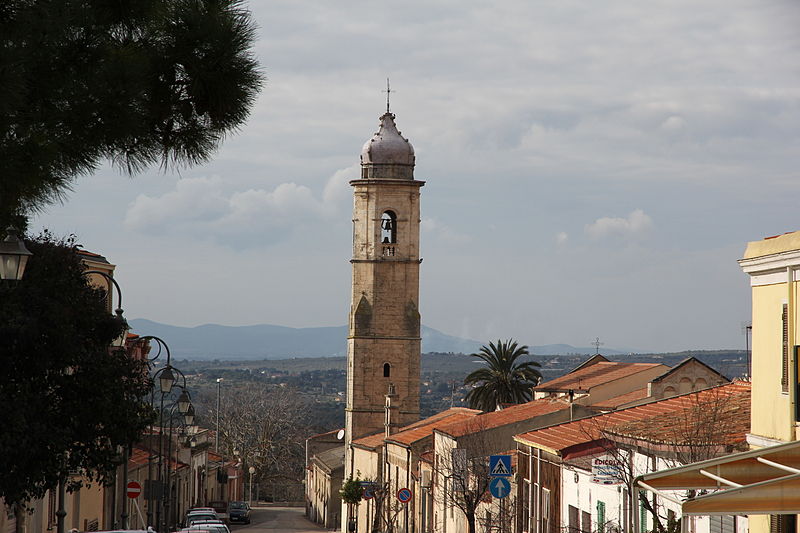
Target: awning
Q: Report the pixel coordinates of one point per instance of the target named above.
(762, 481)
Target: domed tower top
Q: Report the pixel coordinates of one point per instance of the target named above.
(387, 155)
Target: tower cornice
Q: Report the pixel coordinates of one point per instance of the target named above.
(384, 182)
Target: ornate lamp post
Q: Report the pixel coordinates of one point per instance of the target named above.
(13, 256)
(186, 409)
(166, 378)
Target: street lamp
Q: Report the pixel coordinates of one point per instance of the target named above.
(183, 405)
(13, 256)
(252, 471)
(219, 392)
(188, 416)
(166, 378)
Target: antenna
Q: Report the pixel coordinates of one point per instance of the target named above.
(597, 344)
(388, 91)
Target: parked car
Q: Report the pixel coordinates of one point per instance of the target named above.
(203, 516)
(220, 507)
(238, 512)
(217, 527)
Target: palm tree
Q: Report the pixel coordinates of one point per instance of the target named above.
(504, 379)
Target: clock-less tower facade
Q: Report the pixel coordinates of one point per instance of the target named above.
(383, 346)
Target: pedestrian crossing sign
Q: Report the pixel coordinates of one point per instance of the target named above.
(499, 465)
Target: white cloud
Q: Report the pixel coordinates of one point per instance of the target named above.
(204, 207)
(561, 238)
(442, 232)
(635, 224)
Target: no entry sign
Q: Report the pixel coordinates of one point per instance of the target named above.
(133, 489)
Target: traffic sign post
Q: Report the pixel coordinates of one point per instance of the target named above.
(500, 465)
(404, 495)
(368, 488)
(133, 489)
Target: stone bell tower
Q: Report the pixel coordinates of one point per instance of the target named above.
(383, 346)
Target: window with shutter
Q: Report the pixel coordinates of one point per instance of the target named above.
(785, 350)
(601, 517)
(573, 513)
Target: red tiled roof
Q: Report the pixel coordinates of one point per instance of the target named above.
(411, 434)
(600, 373)
(509, 415)
(376, 439)
(139, 456)
(559, 438)
(622, 399)
(707, 422)
(370, 441)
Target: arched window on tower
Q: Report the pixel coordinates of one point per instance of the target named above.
(387, 370)
(389, 228)
(388, 232)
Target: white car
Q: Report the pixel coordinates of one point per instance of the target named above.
(211, 527)
(193, 518)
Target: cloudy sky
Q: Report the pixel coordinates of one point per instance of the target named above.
(593, 169)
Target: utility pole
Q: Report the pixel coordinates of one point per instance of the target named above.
(219, 391)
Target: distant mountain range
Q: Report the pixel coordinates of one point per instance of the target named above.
(264, 341)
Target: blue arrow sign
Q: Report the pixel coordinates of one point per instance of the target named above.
(499, 487)
(499, 465)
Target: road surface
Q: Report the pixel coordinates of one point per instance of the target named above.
(290, 519)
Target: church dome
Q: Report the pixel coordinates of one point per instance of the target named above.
(387, 154)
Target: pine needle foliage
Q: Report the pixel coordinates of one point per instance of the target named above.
(505, 379)
(137, 82)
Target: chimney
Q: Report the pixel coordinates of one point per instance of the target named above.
(389, 423)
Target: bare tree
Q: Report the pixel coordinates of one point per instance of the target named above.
(266, 425)
(461, 477)
(702, 426)
(387, 507)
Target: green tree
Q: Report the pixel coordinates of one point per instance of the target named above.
(504, 379)
(70, 402)
(138, 82)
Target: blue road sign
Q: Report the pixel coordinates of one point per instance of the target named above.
(499, 465)
(499, 487)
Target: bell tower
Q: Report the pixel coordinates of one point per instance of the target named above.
(383, 346)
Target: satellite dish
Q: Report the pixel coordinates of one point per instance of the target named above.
(340, 434)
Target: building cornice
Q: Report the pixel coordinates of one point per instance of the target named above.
(771, 269)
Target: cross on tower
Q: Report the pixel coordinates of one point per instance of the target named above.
(388, 91)
(597, 344)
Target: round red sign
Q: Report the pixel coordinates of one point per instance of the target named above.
(404, 495)
(134, 489)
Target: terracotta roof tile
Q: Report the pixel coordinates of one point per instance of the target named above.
(709, 421)
(509, 415)
(421, 427)
(600, 373)
(559, 438)
(622, 399)
(408, 437)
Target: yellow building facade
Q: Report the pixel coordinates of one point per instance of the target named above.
(773, 265)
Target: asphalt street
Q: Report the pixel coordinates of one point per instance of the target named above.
(277, 519)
